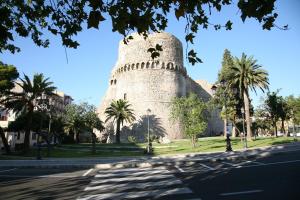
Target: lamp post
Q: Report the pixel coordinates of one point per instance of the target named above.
(244, 132)
(228, 141)
(42, 106)
(149, 147)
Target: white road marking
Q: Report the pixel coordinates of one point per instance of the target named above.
(87, 172)
(7, 170)
(129, 170)
(132, 178)
(126, 186)
(206, 166)
(256, 162)
(121, 173)
(231, 164)
(180, 169)
(130, 195)
(41, 176)
(241, 192)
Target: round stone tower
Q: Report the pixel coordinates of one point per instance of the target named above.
(148, 84)
(152, 84)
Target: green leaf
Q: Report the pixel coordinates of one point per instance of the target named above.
(228, 25)
(179, 13)
(94, 18)
(189, 38)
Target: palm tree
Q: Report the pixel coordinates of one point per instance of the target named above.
(119, 111)
(26, 100)
(248, 74)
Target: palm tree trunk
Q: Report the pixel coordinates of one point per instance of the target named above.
(27, 132)
(118, 132)
(247, 116)
(4, 141)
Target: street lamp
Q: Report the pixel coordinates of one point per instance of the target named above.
(227, 134)
(149, 147)
(244, 132)
(42, 107)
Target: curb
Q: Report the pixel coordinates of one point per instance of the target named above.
(159, 161)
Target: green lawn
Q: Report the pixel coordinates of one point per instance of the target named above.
(211, 144)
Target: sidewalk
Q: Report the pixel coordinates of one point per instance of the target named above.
(148, 161)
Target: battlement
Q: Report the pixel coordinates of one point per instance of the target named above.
(150, 65)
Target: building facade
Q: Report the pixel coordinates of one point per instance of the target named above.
(152, 84)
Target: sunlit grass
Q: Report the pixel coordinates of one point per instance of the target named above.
(211, 144)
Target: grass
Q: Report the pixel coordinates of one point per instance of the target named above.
(211, 144)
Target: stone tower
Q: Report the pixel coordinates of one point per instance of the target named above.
(152, 84)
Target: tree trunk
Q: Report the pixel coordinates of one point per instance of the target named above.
(27, 132)
(247, 116)
(93, 143)
(4, 141)
(77, 137)
(225, 127)
(282, 127)
(118, 141)
(275, 128)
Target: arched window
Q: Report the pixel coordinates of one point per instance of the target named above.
(125, 96)
(137, 65)
(111, 82)
(115, 81)
(148, 65)
(143, 65)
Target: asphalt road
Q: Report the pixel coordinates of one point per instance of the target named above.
(273, 177)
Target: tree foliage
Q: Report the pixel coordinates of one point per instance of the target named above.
(294, 107)
(82, 117)
(26, 100)
(8, 73)
(67, 18)
(119, 111)
(247, 74)
(191, 112)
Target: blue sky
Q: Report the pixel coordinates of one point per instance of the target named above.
(85, 77)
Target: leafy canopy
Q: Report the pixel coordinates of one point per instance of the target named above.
(190, 111)
(8, 73)
(67, 18)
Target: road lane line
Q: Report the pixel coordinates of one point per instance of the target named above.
(7, 170)
(256, 162)
(138, 173)
(130, 178)
(227, 163)
(126, 186)
(180, 169)
(241, 192)
(154, 194)
(206, 166)
(87, 172)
